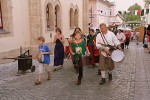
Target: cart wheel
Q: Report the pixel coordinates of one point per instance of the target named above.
(33, 69)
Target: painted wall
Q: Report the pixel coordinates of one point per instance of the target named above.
(101, 12)
(21, 32)
(21, 23)
(65, 18)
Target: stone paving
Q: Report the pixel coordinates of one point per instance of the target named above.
(131, 81)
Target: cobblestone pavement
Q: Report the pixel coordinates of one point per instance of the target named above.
(131, 81)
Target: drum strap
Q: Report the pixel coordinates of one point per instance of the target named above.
(104, 39)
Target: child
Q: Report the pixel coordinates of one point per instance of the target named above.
(44, 59)
(78, 48)
(146, 43)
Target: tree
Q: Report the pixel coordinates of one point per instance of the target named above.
(120, 12)
(134, 7)
(147, 1)
(130, 16)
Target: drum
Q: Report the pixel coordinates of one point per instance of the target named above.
(117, 55)
(86, 60)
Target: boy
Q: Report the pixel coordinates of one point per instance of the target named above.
(146, 43)
(44, 59)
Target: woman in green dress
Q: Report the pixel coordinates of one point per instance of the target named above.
(78, 49)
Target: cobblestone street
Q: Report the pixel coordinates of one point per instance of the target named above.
(131, 81)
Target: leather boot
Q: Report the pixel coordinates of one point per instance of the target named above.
(79, 80)
(110, 77)
(102, 81)
(99, 72)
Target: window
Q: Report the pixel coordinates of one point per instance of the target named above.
(110, 12)
(1, 19)
(71, 18)
(6, 20)
(49, 16)
(76, 17)
(57, 16)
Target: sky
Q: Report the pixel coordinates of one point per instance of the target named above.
(123, 5)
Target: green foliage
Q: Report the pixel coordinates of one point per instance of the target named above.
(134, 7)
(147, 1)
(129, 16)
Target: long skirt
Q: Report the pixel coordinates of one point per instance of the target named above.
(58, 53)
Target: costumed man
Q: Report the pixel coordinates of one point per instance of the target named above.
(102, 40)
(91, 45)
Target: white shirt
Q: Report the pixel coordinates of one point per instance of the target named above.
(137, 34)
(121, 37)
(111, 39)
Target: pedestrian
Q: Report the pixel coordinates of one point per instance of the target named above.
(148, 33)
(78, 49)
(44, 59)
(137, 36)
(59, 49)
(106, 38)
(97, 31)
(132, 34)
(146, 44)
(72, 39)
(127, 41)
(91, 45)
(121, 37)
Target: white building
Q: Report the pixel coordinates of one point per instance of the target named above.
(102, 11)
(22, 21)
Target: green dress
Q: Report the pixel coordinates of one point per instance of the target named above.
(90, 39)
(79, 49)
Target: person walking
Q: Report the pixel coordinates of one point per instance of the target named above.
(59, 49)
(146, 44)
(43, 57)
(128, 37)
(72, 39)
(121, 37)
(78, 49)
(106, 38)
(137, 36)
(91, 45)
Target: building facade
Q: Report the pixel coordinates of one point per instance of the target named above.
(22, 21)
(101, 11)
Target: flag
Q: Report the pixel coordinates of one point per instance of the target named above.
(142, 12)
(147, 11)
(136, 12)
(139, 12)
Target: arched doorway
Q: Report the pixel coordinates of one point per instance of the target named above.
(1, 18)
(57, 16)
(76, 17)
(71, 18)
(49, 16)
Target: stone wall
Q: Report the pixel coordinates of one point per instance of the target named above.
(35, 14)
